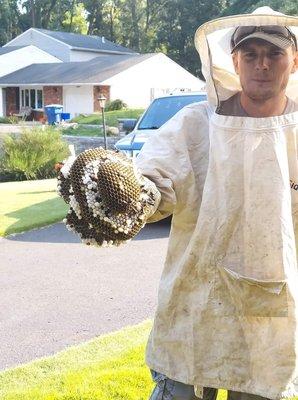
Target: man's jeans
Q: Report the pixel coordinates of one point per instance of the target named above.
(167, 389)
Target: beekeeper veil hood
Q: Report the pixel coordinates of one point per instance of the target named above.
(213, 42)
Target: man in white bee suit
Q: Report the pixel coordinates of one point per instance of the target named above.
(227, 170)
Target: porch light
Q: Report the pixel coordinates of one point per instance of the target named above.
(102, 103)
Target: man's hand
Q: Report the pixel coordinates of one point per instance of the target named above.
(109, 199)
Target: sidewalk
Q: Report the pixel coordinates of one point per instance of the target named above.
(17, 128)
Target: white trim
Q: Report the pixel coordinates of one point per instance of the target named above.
(102, 51)
(36, 97)
(8, 43)
(66, 44)
(42, 33)
(86, 83)
(48, 36)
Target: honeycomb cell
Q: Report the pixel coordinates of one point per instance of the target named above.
(116, 194)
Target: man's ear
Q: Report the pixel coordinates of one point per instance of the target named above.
(235, 61)
(295, 64)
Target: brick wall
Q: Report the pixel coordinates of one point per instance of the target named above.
(53, 95)
(97, 91)
(12, 100)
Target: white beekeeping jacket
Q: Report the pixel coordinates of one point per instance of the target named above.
(227, 305)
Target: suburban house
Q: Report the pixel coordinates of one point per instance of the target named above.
(41, 67)
(13, 58)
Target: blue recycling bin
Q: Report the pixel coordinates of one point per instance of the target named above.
(65, 116)
(53, 113)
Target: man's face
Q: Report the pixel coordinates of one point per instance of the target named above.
(264, 69)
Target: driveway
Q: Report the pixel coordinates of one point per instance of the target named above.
(56, 292)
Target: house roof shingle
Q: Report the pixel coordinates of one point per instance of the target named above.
(86, 42)
(88, 72)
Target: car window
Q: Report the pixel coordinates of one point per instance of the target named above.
(161, 110)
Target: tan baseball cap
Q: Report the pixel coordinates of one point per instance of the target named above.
(280, 36)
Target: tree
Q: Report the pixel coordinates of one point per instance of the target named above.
(94, 9)
(142, 25)
(46, 14)
(289, 7)
(9, 20)
(75, 19)
(178, 24)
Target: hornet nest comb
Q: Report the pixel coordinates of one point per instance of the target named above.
(109, 199)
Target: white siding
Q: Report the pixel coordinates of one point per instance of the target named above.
(2, 100)
(23, 57)
(85, 55)
(43, 42)
(157, 75)
(77, 55)
(78, 100)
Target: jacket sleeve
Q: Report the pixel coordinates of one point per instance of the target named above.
(165, 158)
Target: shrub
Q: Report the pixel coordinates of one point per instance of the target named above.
(13, 119)
(4, 120)
(33, 154)
(116, 104)
(6, 176)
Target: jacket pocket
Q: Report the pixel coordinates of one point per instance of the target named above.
(248, 296)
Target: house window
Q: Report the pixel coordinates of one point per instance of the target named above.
(31, 97)
(27, 98)
(39, 99)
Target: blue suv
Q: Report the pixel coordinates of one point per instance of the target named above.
(159, 112)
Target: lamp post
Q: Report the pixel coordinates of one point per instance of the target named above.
(102, 103)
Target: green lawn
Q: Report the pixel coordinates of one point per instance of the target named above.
(29, 204)
(81, 130)
(111, 117)
(110, 367)
(107, 367)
